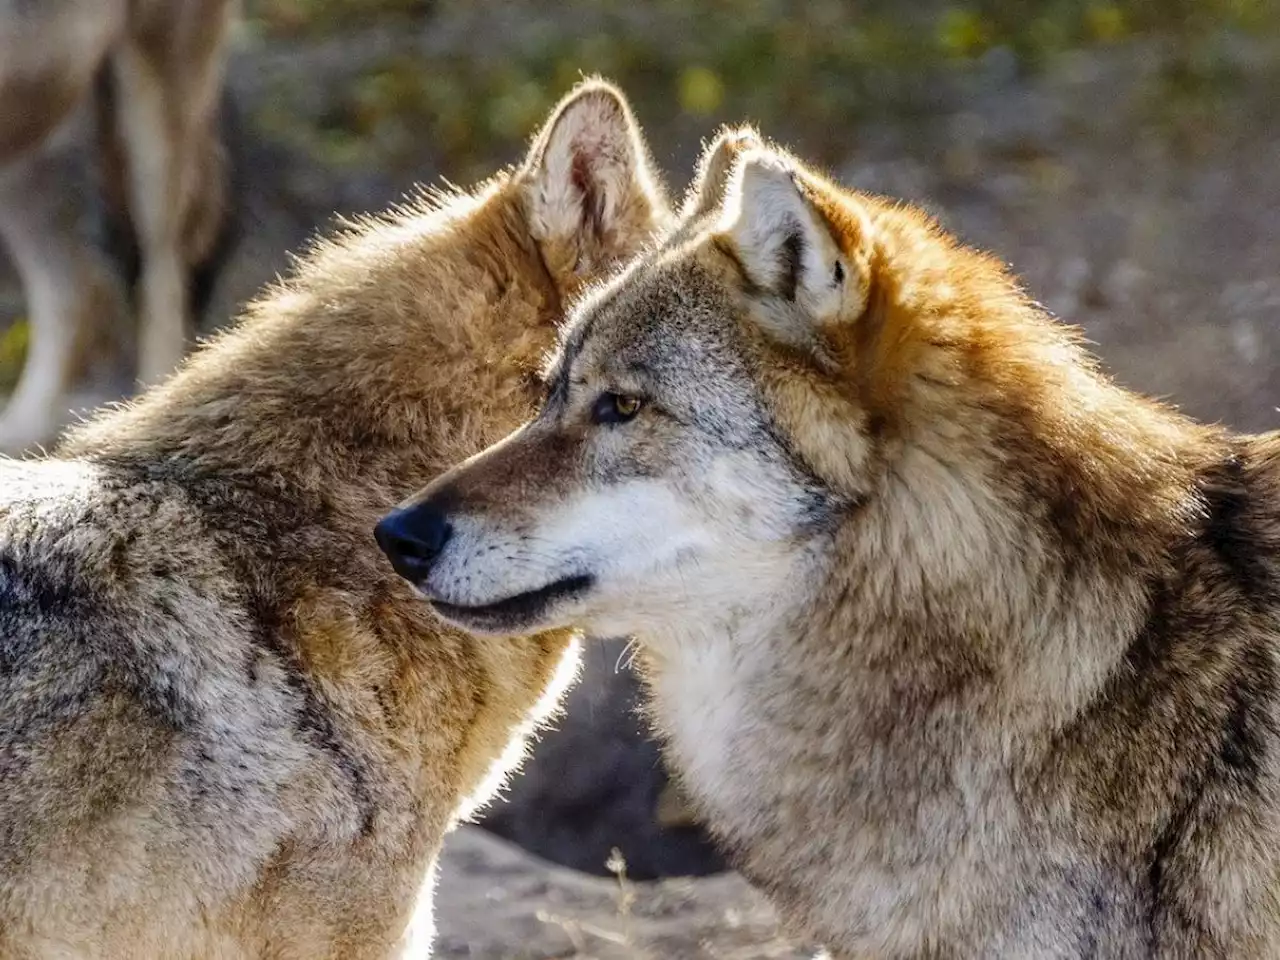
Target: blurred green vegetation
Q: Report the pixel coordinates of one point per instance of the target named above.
(319, 17)
(798, 67)
(13, 348)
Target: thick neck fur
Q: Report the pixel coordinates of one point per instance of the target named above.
(1017, 508)
(1018, 516)
(331, 382)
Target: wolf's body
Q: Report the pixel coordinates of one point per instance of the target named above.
(963, 650)
(227, 730)
(161, 158)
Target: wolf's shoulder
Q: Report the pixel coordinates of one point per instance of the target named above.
(128, 657)
(72, 530)
(47, 531)
(95, 567)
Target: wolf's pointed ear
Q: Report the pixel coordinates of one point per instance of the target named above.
(715, 169)
(776, 217)
(591, 192)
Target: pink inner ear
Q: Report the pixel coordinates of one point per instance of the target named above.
(592, 202)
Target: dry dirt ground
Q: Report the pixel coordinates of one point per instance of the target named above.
(1148, 214)
(496, 902)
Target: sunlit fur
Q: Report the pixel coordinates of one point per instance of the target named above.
(227, 729)
(960, 648)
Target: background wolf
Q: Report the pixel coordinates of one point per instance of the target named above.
(151, 71)
(226, 729)
(964, 650)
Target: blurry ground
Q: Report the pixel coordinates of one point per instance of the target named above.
(1124, 158)
(495, 902)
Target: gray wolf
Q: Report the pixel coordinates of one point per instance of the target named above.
(961, 649)
(150, 71)
(227, 729)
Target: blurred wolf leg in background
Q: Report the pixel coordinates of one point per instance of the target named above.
(154, 70)
(167, 79)
(75, 301)
(49, 56)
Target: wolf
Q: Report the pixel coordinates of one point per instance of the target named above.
(961, 649)
(227, 730)
(150, 72)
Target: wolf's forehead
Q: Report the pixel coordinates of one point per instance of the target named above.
(646, 310)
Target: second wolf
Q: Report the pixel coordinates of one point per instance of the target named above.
(964, 650)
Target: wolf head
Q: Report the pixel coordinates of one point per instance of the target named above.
(799, 373)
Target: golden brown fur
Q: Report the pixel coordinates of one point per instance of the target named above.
(226, 728)
(962, 649)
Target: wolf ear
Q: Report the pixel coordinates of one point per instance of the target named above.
(715, 169)
(788, 247)
(590, 190)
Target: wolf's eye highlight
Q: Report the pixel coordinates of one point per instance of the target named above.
(615, 408)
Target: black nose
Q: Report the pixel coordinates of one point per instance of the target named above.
(412, 538)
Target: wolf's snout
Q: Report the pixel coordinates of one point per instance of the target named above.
(412, 538)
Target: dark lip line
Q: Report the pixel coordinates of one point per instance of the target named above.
(521, 606)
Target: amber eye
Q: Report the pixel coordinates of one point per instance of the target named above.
(615, 408)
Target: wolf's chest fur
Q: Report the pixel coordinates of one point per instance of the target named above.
(703, 690)
(872, 839)
(789, 806)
